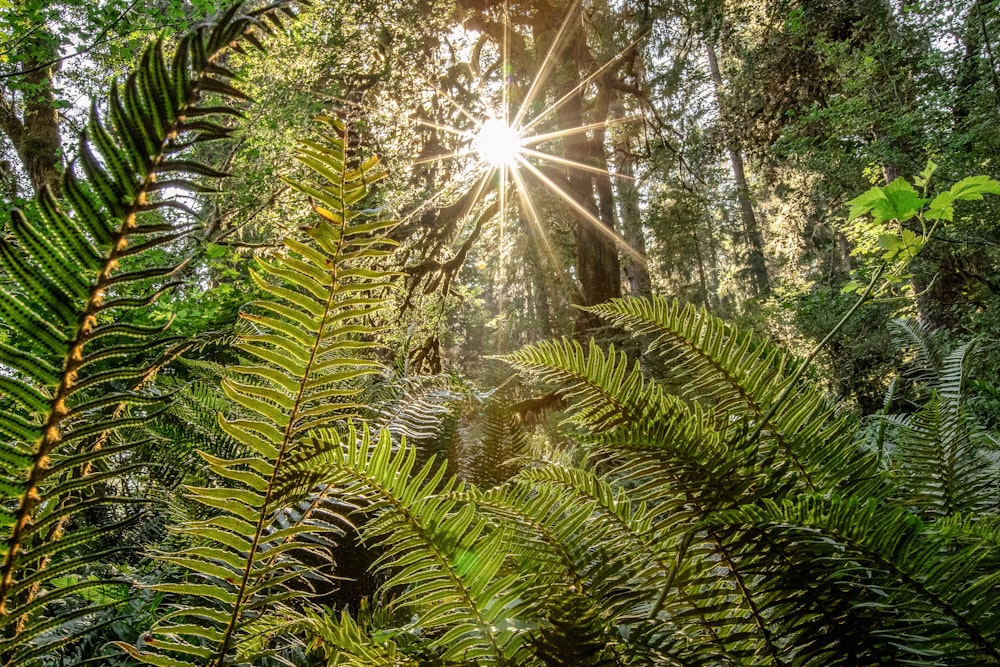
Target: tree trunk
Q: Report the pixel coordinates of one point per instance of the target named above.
(34, 131)
(636, 274)
(597, 265)
(755, 240)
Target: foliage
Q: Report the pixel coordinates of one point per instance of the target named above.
(699, 541)
(76, 369)
(900, 204)
(701, 505)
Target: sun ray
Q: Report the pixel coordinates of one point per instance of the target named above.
(596, 73)
(587, 215)
(574, 164)
(458, 107)
(535, 139)
(448, 187)
(505, 71)
(546, 68)
(445, 156)
(464, 134)
(533, 218)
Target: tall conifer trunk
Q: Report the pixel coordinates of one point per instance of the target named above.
(597, 264)
(755, 240)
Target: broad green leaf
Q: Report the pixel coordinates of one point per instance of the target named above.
(863, 204)
(901, 202)
(974, 187)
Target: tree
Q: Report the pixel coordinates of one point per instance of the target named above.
(44, 44)
(706, 503)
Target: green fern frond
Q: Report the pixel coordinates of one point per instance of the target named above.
(574, 634)
(911, 335)
(445, 560)
(75, 280)
(880, 584)
(344, 643)
(942, 457)
(303, 370)
(741, 379)
(417, 408)
(606, 392)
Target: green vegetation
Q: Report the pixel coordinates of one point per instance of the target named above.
(587, 397)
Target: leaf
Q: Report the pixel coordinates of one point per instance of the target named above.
(863, 204)
(922, 179)
(901, 202)
(974, 187)
(968, 189)
(941, 207)
(905, 246)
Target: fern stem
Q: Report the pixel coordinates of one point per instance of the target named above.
(286, 440)
(807, 362)
(51, 436)
(57, 531)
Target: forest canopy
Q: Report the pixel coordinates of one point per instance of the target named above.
(535, 332)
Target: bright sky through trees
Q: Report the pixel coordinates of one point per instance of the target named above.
(497, 143)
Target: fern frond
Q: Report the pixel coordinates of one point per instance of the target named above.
(741, 379)
(344, 643)
(942, 458)
(606, 392)
(305, 357)
(909, 334)
(885, 584)
(446, 560)
(75, 280)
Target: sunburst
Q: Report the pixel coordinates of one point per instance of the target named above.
(498, 143)
(506, 148)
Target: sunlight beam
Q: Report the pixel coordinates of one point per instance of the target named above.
(533, 218)
(536, 139)
(438, 126)
(546, 68)
(572, 163)
(562, 100)
(458, 107)
(445, 156)
(447, 187)
(587, 215)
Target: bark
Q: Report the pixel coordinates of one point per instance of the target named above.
(597, 264)
(636, 274)
(33, 129)
(755, 240)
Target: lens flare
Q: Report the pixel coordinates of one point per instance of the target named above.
(498, 143)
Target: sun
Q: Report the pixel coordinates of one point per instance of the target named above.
(497, 143)
(508, 148)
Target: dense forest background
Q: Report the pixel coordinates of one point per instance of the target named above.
(296, 367)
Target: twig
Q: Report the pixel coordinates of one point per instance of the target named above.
(97, 42)
(786, 392)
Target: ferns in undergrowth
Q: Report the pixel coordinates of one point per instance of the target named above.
(261, 544)
(75, 366)
(690, 539)
(945, 462)
(724, 515)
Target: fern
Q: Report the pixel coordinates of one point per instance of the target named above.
(446, 561)
(754, 558)
(304, 363)
(75, 281)
(881, 573)
(741, 379)
(942, 458)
